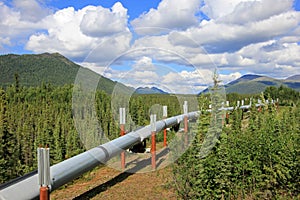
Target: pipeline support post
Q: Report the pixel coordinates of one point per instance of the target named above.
(223, 115)
(153, 144)
(64, 172)
(122, 132)
(227, 114)
(44, 172)
(165, 115)
(185, 110)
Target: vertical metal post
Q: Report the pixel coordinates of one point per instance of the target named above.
(40, 158)
(227, 114)
(165, 115)
(122, 132)
(44, 172)
(153, 146)
(185, 110)
(46, 152)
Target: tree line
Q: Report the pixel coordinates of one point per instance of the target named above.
(257, 155)
(43, 115)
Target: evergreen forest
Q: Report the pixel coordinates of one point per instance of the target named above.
(257, 155)
(43, 115)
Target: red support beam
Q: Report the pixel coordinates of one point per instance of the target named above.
(153, 150)
(165, 115)
(153, 144)
(122, 132)
(186, 130)
(165, 138)
(44, 193)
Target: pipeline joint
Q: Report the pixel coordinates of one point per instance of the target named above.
(105, 152)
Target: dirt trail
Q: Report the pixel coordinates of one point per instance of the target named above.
(110, 184)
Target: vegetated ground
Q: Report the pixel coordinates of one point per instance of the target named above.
(106, 182)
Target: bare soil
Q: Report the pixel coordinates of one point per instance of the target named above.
(108, 183)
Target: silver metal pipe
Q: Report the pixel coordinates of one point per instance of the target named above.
(65, 171)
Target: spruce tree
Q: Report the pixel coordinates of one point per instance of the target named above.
(7, 143)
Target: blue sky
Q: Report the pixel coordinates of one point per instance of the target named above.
(135, 8)
(131, 41)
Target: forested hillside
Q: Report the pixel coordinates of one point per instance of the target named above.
(55, 69)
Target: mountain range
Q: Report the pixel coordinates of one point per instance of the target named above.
(34, 69)
(147, 90)
(253, 84)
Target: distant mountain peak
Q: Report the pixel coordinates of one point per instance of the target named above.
(255, 84)
(148, 90)
(250, 76)
(246, 77)
(294, 78)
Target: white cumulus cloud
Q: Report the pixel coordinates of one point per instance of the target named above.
(250, 11)
(144, 64)
(215, 9)
(99, 21)
(170, 14)
(17, 24)
(31, 10)
(238, 36)
(222, 37)
(76, 33)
